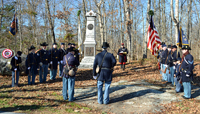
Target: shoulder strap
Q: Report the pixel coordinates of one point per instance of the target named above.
(103, 60)
(185, 60)
(67, 61)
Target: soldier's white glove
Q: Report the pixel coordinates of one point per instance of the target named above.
(187, 75)
(95, 77)
(15, 69)
(29, 68)
(41, 63)
(58, 62)
(16, 57)
(51, 62)
(61, 62)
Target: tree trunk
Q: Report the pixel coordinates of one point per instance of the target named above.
(84, 21)
(20, 25)
(121, 32)
(189, 3)
(176, 19)
(145, 39)
(1, 15)
(50, 21)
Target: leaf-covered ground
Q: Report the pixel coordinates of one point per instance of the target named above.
(47, 97)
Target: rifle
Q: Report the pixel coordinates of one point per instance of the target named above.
(29, 63)
(41, 61)
(52, 57)
(15, 73)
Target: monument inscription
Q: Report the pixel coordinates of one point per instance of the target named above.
(90, 26)
(89, 51)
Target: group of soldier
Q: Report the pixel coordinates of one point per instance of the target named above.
(176, 70)
(41, 60)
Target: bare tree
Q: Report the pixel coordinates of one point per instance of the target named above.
(1, 15)
(189, 20)
(50, 21)
(176, 19)
(145, 38)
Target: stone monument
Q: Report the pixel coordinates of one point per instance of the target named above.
(90, 43)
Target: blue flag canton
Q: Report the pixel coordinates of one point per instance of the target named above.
(13, 29)
(184, 39)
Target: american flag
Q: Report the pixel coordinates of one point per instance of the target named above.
(153, 39)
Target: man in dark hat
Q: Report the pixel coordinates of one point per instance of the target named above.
(164, 55)
(15, 61)
(172, 60)
(160, 56)
(62, 54)
(44, 60)
(54, 60)
(187, 66)
(76, 51)
(68, 47)
(69, 81)
(106, 61)
(32, 61)
(122, 53)
(169, 65)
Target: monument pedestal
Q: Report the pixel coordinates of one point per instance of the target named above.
(90, 43)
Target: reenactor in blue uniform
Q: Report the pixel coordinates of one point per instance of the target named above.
(122, 52)
(187, 66)
(108, 62)
(173, 58)
(15, 61)
(177, 78)
(68, 48)
(164, 61)
(54, 60)
(169, 65)
(76, 51)
(160, 56)
(69, 81)
(44, 60)
(62, 54)
(32, 61)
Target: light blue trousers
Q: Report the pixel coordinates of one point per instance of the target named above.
(60, 69)
(164, 76)
(13, 78)
(43, 75)
(106, 92)
(53, 74)
(68, 87)
(187, 89)
(178, 85)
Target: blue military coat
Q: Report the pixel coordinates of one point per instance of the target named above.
(72, 62)
(32, 60)
(15, 63)
(177, 71)
(63, 52)
(54, 56)
(106, 70)
(164, 55)
(122, 57)
(44, 56)
(169, 59)
(186, 68)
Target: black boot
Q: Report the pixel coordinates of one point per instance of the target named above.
(123, 67)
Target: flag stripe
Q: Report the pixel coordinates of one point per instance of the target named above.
(153, 38)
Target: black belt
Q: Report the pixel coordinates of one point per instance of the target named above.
(107, 68)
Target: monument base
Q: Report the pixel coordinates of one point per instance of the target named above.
(87, 63)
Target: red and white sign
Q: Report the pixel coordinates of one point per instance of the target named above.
(7, 53)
